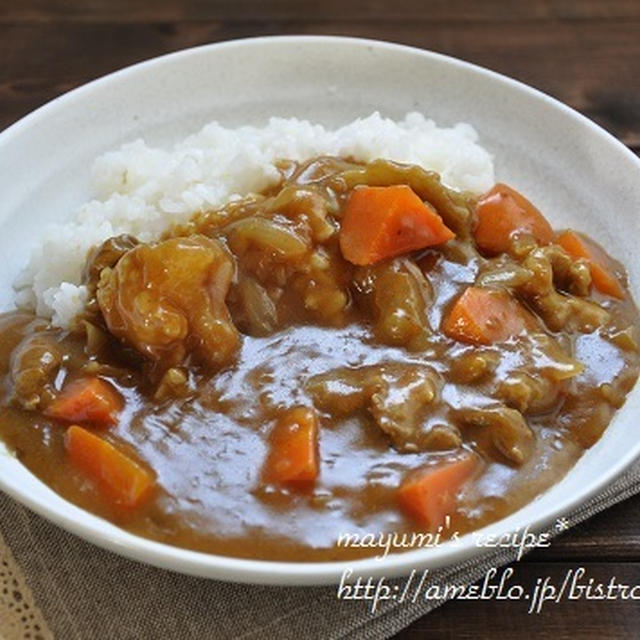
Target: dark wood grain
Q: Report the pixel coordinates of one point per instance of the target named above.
(569, 60)
(584, 52)
(565, 619)
(607, 545)
(610, 536)
(358, 11)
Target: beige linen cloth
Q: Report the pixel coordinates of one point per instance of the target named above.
(53, 584)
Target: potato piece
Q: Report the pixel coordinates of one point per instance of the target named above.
(167, 300)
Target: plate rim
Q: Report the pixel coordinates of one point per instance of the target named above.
(298, 573)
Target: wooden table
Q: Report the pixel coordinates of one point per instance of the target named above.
(586, 53)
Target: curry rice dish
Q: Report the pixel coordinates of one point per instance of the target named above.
(356, 349)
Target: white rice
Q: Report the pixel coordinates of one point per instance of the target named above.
(142, 190)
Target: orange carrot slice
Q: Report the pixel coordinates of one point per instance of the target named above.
(92, 400)
(121, 480)
(602, 274)
(501, 213)
(383, 222)
(293, 457)
(485, 316)
(429, 494)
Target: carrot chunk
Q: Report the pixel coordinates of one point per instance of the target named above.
(602, 274)
(92, 400)
(485, 316)
(293, 457)
(429, 494)
(502, 212)
(383, 222)
(121, 480)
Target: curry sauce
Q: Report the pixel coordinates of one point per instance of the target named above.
(306, 362)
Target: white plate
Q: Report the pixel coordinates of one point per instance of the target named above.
(573, 170)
